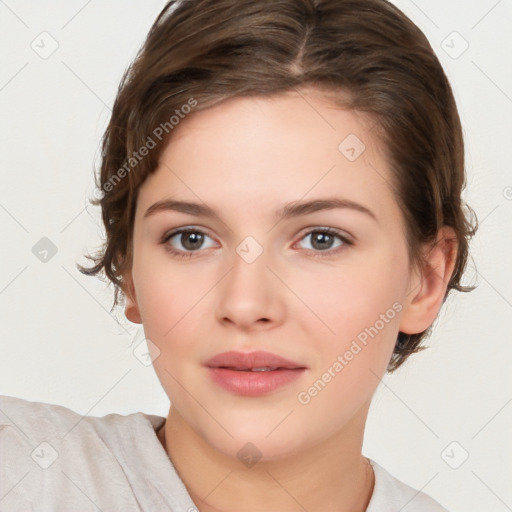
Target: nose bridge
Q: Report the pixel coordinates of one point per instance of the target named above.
(249, 264)
(250, 292)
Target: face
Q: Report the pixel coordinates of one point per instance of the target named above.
(319, 294)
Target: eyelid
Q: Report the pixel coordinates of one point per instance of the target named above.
(346, 239)
(185, 229)
(176, 253)
(344, 235)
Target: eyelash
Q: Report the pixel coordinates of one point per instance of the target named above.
(188, 254)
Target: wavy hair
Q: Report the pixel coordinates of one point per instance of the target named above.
(366, 54)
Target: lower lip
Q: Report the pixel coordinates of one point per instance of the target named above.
(253, 383)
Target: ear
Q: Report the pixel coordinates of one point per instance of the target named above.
(131, 309)
(429, 283)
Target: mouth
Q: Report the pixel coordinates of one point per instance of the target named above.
(255, 369)
(252, 373)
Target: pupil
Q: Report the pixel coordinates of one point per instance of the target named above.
(195, 238)
(322, 238)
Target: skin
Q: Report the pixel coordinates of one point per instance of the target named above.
(245, 158)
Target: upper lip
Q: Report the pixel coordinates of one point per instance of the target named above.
(250, 360)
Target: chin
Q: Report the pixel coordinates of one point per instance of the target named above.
(259, 437)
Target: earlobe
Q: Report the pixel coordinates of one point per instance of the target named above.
(131, 309)
(428, 288)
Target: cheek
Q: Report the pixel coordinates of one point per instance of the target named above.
(168, 294)
(172, 302)
(350, 363)
(345, 302)
(360, 310)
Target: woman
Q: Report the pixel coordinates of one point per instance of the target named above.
(281, 191)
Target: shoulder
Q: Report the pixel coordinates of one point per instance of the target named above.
(36, 419)
(393, 495)
(49, 452)
(17, 413)
(26, 426)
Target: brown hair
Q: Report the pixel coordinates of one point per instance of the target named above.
(367, 52)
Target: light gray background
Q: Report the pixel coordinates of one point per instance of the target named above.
(60, 344)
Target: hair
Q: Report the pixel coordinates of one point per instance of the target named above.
(365, 54)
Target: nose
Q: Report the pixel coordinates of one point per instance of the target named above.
(250, 297)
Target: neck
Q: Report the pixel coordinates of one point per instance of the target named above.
(332, 475)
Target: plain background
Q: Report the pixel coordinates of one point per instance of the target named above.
(60, 343)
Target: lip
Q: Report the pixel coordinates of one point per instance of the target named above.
(234, 372)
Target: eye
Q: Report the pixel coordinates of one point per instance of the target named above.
(322, 240)
(184, 242)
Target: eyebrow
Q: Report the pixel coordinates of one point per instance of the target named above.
(288, 211)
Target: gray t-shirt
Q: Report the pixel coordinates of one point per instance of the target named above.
(53, 459)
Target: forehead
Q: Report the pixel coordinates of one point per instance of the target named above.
(259, 152)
